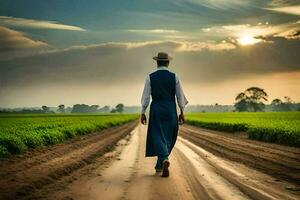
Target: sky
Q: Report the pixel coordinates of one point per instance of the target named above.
(99, 52)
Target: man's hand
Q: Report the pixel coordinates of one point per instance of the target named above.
(143, 119)
(181, 118)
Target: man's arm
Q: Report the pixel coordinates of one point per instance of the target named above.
(181, 100)
(145, 100)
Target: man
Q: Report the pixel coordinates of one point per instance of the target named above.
(163, 86)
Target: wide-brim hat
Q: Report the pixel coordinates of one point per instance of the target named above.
(162, 56)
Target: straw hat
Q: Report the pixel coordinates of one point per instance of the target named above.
(162, 56)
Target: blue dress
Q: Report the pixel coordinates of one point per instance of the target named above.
(163, 123)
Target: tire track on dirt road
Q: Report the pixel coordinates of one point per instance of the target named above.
(250, 182)
(22, 176)
(194, 174)
(283, 164)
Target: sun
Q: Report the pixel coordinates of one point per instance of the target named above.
(247, 40)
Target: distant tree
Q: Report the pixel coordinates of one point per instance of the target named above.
(104, 109)
(61, 108)
(23, 111)
(113, 110)
(251, 99)
(276, 102)
(68, 109)
(94, 108)
(45, 109)
(119, 108)
(277, 105)
(288, 100)
(83, 108)
(287, 104)
(241, 105)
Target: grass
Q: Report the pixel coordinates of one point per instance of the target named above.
(19, 132)
(277, 127)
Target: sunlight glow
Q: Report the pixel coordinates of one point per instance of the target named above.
(247, 40)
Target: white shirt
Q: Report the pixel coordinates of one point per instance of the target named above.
(181, 99)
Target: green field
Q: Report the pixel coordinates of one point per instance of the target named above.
(21, 132)
(277, 127)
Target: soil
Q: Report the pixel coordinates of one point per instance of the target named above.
(24, 175)
(111, 164)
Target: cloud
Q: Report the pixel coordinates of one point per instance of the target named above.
(293, 10)
(117, 63)
(260, 32)
(37, 24)
(168, 34)
(98, 70)
(177, 46)
(200, 46)
(277, 3)
(16, 44)
(156, 31)
(219, 4)
(289, 32)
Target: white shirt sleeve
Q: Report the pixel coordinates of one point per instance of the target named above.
(146, 95)
(181, 99)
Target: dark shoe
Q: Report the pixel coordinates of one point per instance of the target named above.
(165, 170)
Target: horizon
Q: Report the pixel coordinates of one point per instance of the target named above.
(125, 106)
(64, 52)
(100, 106)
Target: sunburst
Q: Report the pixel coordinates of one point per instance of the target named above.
(247, 40)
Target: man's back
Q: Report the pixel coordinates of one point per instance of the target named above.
(163, 85)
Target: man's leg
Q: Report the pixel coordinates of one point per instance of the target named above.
(162, 158)
(165, 166)
(159, 163)
(158, 166)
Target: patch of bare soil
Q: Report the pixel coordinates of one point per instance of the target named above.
(195, 174)
(279, 161)
(205, 165)
(24, 175)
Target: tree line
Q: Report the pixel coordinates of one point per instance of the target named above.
(77, 108)
(254, 99)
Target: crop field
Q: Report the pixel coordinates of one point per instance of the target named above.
(20, 132)
(277, 127)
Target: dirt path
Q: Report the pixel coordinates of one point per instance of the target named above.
(279, 161)
(198, 170)
(195, 174)
(25, 175)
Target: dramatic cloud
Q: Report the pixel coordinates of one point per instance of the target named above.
(37, 24)
(219, 4)
(293, 10)
(200, 46)
(107, 63)
(276, 3)
(121, 66)
(151, 31)
(166, 34)
(177, 46)
(216, 45)
(17, 44)
(252, 34)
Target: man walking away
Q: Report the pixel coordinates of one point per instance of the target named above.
(163, 86)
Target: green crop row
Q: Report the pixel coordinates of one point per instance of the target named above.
(21, 132)
(276, 127)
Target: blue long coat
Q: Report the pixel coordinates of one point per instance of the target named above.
(163, 123)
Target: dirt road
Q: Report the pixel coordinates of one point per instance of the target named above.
(41, 172)
(204, 165)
